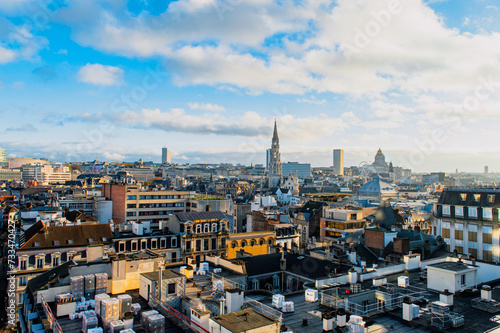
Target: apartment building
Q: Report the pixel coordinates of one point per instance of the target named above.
(43, 247)
(204, 233)
(46, 174)
(133, 203)
(468, 220)
(339, 220)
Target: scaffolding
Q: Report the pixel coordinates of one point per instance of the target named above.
(388, 297)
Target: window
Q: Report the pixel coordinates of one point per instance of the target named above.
(446, 210)
(173, 242)
(39, 263)
(214, 227)
(154, 243)
(472, 212)
(91, 240)
(487, 247)
(144, 244)
(459, 226)
(37, 244)
(56, 243)
(121, 247)
(134, 245)
(261, 241)
(22, 281)
(163, 243)
(446, 225)
(459, 211)
(171, 288)
(487, 213)
(459, 242)
(55, 261)
(463, 196)
(198, 245)
(491, 198)
(23, 265)
(473, 232)
(205, 244)
(70, 242)
(487, 230)
(214, 243)
(459, 231)
(243, 243)
(477, 197)
(131, 206)
(462, 279)
(206, 228)
(252, 242)
(198, 228)
(472, 245)
(233, 245)
(131, 197)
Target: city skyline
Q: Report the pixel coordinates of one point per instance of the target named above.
(115, 82)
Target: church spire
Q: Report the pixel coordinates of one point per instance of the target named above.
(276, 139)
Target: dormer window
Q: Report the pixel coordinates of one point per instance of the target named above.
(491, 198)
(477, 197)
(104, 239)
(463, 196)
(70, 241)
(36, 244)
(91, 240)
(56, 242)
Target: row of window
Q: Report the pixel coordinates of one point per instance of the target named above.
(471, 227)
(209, 244)
(477, 197)
(134, 245)
(471, 212)
(206, 228)
(40, 260)
(157, 197)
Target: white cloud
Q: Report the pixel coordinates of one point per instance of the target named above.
(206, 107)
(311, 100)
(100, 75)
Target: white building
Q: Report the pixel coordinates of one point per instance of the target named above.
(454, 276)
(46, 174)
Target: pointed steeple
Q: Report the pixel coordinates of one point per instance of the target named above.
(276, 139)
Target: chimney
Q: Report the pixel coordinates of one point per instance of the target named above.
(283, 260)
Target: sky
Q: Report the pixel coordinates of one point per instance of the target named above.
(118, 80)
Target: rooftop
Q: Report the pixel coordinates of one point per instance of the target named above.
(244, 320)
(452, 266)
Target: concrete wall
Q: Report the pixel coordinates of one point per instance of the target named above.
(225, 263)
(49, 294)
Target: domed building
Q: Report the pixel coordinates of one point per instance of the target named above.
(377, 188)
(379, 163)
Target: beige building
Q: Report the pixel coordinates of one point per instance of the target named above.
(133, 203)
(11, 175)
(47, 173)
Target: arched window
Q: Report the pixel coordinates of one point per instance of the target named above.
(253, 242)
(234, 244)
(214, 227)
(270, 241)
(261, 241)
(243, 243)
(206, 228)
(198, 228)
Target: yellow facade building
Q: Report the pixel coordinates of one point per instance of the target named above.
(254, 243)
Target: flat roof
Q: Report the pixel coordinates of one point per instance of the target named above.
(244, 320)
(452, 266)
(166, 274)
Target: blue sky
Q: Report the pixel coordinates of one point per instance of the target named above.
(118, 80)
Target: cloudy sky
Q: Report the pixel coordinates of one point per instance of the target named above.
(118, 80)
